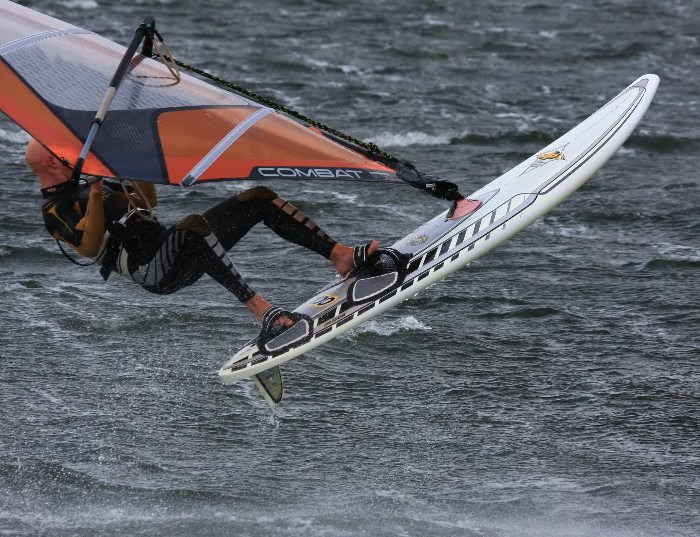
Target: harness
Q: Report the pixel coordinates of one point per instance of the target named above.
(129, 243)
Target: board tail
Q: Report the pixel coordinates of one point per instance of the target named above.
(269, 382)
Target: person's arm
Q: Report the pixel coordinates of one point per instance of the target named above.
(139, 194)
(92, 224)
(144, 195)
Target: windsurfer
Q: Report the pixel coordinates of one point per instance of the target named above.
(115, 227)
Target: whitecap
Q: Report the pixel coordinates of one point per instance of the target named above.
(346, 198)
(410, 138)
(80, 4)
(677, 252)
(16, 137)
(388, 327)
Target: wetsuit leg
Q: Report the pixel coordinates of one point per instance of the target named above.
(187, 251)
(233, 218)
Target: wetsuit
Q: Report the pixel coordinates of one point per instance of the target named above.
(163, 260)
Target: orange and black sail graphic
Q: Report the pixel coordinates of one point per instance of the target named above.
(158, 129)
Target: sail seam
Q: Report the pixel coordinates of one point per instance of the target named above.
(17, 44)
(226, 142)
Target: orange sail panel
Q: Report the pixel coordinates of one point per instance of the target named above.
(23, 106)
(275, 147)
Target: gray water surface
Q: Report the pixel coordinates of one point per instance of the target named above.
(551, 389)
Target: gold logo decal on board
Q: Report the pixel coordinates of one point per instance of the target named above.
(420, 239)
(325, 300)
(546, 157)
(557, 154)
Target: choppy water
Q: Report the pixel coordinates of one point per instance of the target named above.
(550, 390)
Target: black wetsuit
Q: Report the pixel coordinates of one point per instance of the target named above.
(163, 260)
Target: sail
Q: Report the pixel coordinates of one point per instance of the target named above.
(53, 76)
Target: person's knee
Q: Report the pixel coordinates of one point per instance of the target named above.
(195, 223)
(258, 193)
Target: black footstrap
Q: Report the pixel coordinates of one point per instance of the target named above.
(278, 339)
(384, 270)
(360, 254)
(270, 316)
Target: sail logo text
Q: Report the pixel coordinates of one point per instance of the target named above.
(313, 173)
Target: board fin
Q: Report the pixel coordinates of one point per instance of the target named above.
(269, 382)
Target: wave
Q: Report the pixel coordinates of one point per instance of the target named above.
(389, 327)
(524, 313)
(418, 138)
(80, 4)
(23, 253)
(664, 143)
(16, 137)
(517, 137)
(45, 472)
(670, 264)
(411, 138)
(678, 252)
(656, 143)
(671, 257)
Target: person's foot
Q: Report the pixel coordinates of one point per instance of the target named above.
(342, 257)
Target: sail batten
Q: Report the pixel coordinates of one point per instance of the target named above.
(41, 36)
(218, 150)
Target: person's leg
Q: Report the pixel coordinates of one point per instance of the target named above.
(233, 218)
(187, 251)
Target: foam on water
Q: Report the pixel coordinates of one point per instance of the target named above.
(388, 327)
(80, 4)
(410, 139)
(677, 252)
(15, 136)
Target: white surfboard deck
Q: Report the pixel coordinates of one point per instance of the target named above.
(443, 245)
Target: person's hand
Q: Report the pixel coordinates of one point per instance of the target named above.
(96, 186)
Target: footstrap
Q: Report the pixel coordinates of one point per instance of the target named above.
(278, 339)
(360, 254)
(270, 316)
(384, 271)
